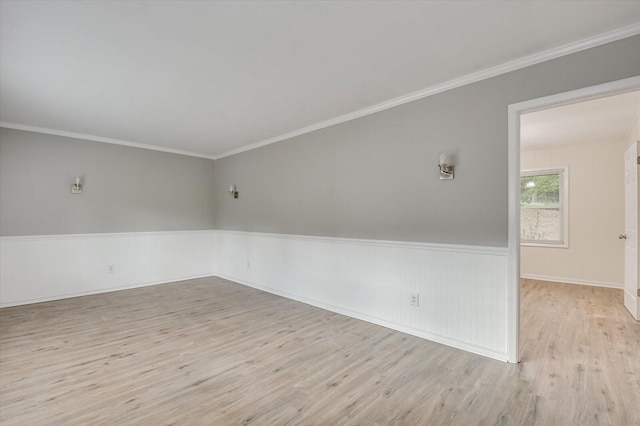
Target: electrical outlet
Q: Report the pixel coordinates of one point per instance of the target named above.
(414, 299)
(111, 269)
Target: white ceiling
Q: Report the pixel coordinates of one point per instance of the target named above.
(212, 77)
(607, 119)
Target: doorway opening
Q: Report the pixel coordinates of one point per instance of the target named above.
(547, 191)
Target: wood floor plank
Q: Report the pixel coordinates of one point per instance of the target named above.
(212, 352)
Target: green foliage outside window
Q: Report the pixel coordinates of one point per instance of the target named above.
(540, 190)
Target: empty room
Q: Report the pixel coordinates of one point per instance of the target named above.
(319, 213)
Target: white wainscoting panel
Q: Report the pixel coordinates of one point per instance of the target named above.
(40, 268)
(463, 289)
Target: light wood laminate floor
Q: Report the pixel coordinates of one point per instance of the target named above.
(212, 352)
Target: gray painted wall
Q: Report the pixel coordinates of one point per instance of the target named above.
(376, 177)
(126, 189)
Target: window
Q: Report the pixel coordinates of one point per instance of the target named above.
(543, 208)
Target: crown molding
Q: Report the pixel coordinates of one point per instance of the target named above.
(526, 61)
(74, 135)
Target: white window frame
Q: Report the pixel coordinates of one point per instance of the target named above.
(563, 188)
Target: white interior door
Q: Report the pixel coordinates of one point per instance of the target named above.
(631, 282)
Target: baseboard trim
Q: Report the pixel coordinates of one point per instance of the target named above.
(391, 325)
(571, 281)
(100, 291)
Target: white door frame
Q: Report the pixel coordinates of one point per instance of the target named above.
(513, 158)
(631, 229)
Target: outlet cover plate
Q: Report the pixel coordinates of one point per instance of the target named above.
(414, 299)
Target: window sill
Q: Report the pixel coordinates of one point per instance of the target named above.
(548, 245)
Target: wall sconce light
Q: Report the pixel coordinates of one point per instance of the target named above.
(76, 188)
(446, 167)
(233, 191)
